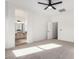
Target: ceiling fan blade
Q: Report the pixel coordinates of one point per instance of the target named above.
(42, 3)
(57, 3)
(46, 8)
(53, 7)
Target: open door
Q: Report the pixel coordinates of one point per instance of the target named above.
(52, 30)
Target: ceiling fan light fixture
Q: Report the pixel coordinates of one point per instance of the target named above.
(49, 7)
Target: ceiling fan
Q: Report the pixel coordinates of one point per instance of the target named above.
(50, 4)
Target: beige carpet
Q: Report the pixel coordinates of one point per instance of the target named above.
(47, 49)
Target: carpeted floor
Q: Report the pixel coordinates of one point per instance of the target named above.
(46, 49)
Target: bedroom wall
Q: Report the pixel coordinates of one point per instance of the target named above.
(36, 27)
(10, 26)
(65, 25)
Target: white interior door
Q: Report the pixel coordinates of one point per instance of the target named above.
(60, 32)
(50, 30)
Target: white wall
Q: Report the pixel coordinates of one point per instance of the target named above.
(36, 27)
(20, 14)
(10, 26)
(65, 25)
(26, 20)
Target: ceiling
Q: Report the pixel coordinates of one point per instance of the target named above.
(32, 5)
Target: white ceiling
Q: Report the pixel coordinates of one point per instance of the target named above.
(35, 7)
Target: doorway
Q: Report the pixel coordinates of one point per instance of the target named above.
(20, 27)
(55, 30)
(52, 30)
(20, 35)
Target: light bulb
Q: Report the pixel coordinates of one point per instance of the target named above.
(50, 7)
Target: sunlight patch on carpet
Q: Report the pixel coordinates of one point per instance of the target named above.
(35, 49)
(49, 46)
(26, 51)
